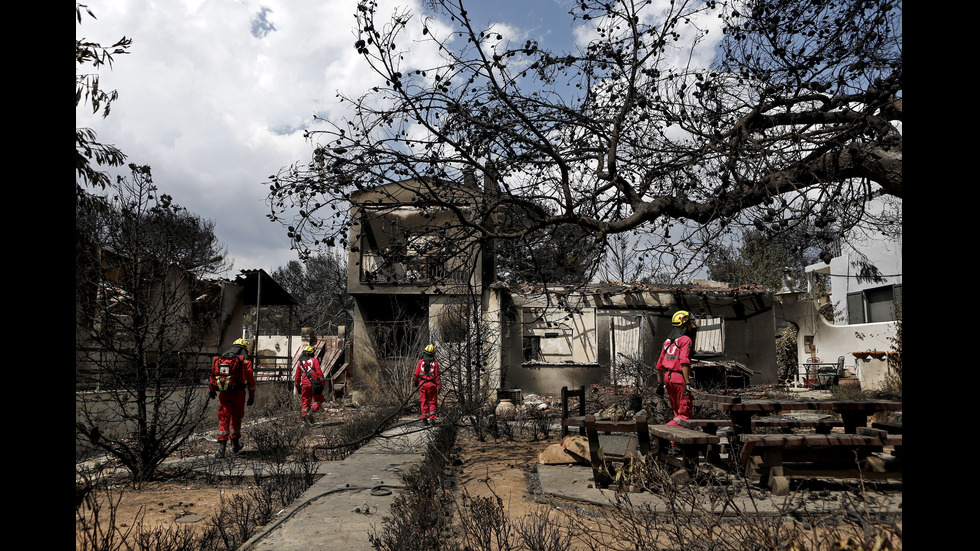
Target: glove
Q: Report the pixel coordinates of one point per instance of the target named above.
(251, 400)
(660, 389)
(212, 394)
(687, 389)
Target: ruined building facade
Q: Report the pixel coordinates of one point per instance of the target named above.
(418, 276)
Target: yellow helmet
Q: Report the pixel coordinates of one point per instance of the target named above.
(241, 342)
(308, 349)
(431, 349)
(680, 317)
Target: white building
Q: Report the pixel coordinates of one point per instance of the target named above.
(864, 310)
(855, 298)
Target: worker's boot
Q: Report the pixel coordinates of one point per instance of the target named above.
(236, 446)
(221, 449)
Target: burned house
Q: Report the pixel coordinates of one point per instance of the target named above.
(611, 333)
(167, 309)
(418, 275)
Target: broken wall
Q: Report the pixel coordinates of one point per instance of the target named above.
(592, 330)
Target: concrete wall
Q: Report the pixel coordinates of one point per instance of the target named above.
(872, 373)
(548, 379)
(564, 336)
(821, 339)
(101, 405)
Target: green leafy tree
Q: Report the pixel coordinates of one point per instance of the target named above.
(760, 259)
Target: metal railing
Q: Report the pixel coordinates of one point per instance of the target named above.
(94, 370)
(92, 373)
(427, 269)
(272, 368)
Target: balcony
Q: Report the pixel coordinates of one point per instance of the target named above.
(411, 270)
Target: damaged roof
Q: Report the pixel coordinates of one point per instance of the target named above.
(258, 281)
(707, 299)
(617, 288)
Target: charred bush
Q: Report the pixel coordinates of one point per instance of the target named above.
(421, 516)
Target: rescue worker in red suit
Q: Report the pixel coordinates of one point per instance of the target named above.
(427, 378)
(674, 366)
(231, 377)
(307, 371)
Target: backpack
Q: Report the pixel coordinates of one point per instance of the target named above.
(316, 384)
(227, 372)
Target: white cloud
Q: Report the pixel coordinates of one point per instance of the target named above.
(215, 96)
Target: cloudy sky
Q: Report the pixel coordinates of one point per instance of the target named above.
(215, 95)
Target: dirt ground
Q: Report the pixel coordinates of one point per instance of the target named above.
(493, 467)
(500, 468)
(170, 502)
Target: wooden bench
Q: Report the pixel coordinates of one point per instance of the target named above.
(820, 426)
(774, 458)
(715, 401)
(691, 443)
(887, 438)
(603, 463)
(890, 428)
(710, 398)
(572, 420)
(708, 426)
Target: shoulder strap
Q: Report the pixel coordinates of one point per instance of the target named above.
(238, 369)
(302, 365)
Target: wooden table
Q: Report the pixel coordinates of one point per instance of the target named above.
(775, 458)
(854, 413)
